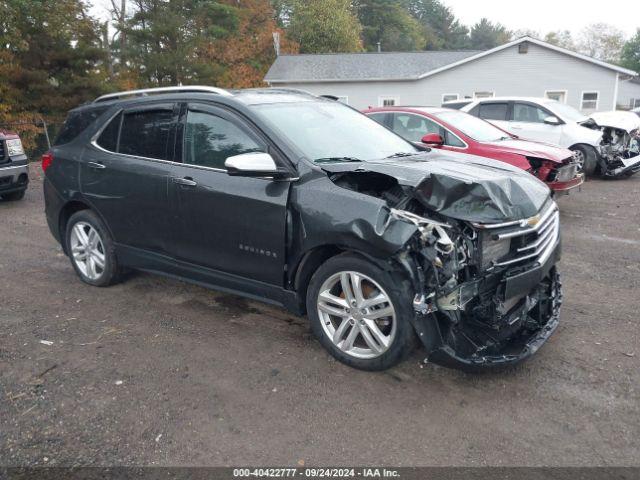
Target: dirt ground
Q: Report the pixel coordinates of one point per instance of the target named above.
(159, 372)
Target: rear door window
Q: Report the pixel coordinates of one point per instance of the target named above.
(493, 111)
(209, 140)
(380, 117)
(147, 133)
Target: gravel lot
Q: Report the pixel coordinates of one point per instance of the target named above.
(158, 372)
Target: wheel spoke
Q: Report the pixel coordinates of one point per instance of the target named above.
(341, 331)
(91, 268)
(331, 304)
(380, 313)
(356, 283)
(371, 341)
(372, 329)
(81, 235)
(98, 259)
(92, 238)
(348, 342)
(375, 301)
(345, 282)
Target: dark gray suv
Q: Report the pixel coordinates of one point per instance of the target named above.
(303, 202)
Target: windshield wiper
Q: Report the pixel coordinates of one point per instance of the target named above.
(337, 159)
(401, 154)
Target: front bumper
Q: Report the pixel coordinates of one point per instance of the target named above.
(13, 178)
(630, 166)
(521, 343)
(565, 187)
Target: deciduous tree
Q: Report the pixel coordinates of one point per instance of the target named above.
(389, 23)
(328, 26)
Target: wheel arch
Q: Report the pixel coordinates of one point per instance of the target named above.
(67, 211)
(312, 259)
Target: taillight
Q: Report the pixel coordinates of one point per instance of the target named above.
(47, 160)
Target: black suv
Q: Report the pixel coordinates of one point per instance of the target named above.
(302, 201)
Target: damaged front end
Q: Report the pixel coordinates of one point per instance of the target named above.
(488, 295)
(487, 292)
(620, 145)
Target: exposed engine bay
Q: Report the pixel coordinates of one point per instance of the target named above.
(620, 144)
(486, 294)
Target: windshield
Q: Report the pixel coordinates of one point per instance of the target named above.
(473, 127)
(568, 113)
(331, 131)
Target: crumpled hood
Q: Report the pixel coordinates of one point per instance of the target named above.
(628, 121)
(531, 149)
(460, 186)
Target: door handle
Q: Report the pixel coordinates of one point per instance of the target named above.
(186, 181)
(96, 165)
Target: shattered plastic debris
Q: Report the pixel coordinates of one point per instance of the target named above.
(46, 342)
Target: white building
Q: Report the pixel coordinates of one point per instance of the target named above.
(524, 67)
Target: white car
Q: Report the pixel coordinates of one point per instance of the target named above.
(542, 120)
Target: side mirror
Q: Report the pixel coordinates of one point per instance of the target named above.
(433, 139)
(551, 120)
(254, 164)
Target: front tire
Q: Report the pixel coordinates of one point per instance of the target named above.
(14, 196)
(91, 250)
(360, 313)
(588, 157)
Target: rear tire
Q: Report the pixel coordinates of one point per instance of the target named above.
(14, 196)
(366, 325)
(589, 158)
(91, 250)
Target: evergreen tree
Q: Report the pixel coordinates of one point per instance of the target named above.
(630, 57)
(168, 40)
(442, 31)
(486, 35)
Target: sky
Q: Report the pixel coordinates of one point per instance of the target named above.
(548, 15)
(538, 15)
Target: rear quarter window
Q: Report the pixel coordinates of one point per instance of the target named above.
(76, 123)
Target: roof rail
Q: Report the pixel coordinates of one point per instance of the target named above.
(150, 91)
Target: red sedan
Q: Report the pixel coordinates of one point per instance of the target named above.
(460, 132)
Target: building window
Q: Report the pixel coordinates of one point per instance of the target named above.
(590, 100)
(635, 103)
(484, 94)
(450, 97)
(557, 95)
(388, 101)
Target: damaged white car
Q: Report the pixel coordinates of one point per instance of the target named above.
(620, 143)
(605, 143)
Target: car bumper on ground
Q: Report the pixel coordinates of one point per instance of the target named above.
(521, 346)
(13, 178)
(629, 167)
(565, 187)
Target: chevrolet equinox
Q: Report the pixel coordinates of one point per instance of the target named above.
(301, 201)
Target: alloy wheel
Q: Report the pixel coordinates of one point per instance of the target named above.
(357, 315)
(87, 250)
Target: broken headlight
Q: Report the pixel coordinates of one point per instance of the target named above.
(493, 250)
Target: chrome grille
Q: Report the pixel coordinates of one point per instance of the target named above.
(532, 239)
(567, 172)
